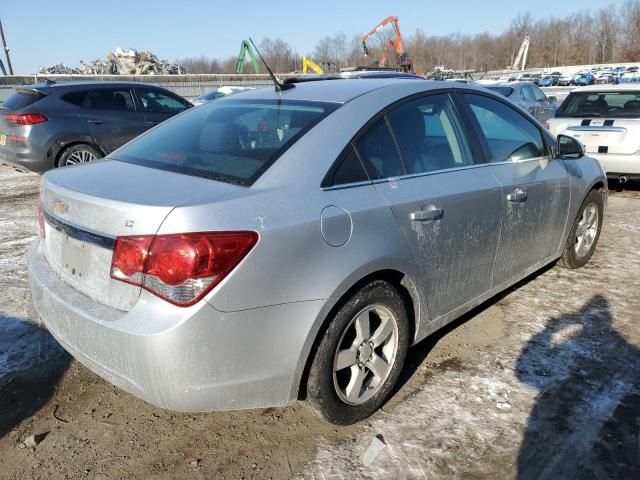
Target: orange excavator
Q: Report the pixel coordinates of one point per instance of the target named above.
(397, 43)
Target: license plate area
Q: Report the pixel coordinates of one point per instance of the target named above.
(76, 258)
(3, 139)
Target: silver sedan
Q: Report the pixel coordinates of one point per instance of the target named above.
(278, 245)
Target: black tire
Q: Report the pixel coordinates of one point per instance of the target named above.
(322, 394)
(79, 149)
(570, 257)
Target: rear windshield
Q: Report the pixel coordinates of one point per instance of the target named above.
(21, 99)
(505, 91)
(601, 104)
(233, 141)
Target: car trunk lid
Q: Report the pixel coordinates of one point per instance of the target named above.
(88, 206)
(605, 135)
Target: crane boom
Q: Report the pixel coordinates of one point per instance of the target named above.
(397, 43)
(521, 59)
(245, 48)
(307, 64)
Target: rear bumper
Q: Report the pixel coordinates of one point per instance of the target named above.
(26, 160)
(618, 165)
(186, 359)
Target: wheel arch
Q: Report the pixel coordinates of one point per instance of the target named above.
(405, 285)
(72, 143)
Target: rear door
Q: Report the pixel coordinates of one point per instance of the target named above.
(447, 205)
(535, 188)
(111, 117)
(158, 105)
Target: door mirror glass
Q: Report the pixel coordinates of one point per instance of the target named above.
(553, 99)
(569, 148)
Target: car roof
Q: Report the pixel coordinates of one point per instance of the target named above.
(337, 90)
(51, 86)
(508, 84)
(608, 88)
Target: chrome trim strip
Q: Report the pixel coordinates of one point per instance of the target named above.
(432, 172)
(79, 233)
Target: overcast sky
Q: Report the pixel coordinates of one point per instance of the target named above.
(44, 33)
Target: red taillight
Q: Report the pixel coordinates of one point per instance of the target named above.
(180, 268)
(40, 216)
(546, 125)
(25, 118)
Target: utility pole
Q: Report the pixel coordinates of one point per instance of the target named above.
(6, 49)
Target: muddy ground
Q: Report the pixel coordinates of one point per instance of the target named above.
(543, 382)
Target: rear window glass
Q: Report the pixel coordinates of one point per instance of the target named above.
(21, 99)
(232, 140)
(505, 91)
(601, 104)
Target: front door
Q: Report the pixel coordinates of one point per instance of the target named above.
(535, 188)
(447, 205)
(158, 105)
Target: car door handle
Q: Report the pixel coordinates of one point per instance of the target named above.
(517, 196)
(427, 215)
(95, 122)
(152, 122)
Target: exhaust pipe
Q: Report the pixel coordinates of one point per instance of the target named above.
(622, 179)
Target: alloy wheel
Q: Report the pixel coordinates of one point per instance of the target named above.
(80, 156)
(365, 354)
(587, 230)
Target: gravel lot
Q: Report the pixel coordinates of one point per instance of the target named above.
(542, 382)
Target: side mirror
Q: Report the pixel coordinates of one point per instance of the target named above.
(553, 99)
(569, 148)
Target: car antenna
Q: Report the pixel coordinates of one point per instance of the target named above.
(279, 86)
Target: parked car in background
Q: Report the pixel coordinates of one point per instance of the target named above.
(50, 125)
(565, 80)
(605, 78)
(584, 79)
(629, 77)
(529, 97)
(606, 119)
(219, 93)
(548, 81)
(181, 270)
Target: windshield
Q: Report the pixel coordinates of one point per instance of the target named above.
(601, 104)
(233, 141)
(506, 91)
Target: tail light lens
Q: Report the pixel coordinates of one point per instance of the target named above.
(546, 125)
(40, 216)
(180, 268)
(25, 118)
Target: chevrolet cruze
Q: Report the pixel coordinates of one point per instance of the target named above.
(285, 244)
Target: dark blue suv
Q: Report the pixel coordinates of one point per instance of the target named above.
(50, 125)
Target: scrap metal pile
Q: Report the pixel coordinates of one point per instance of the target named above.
(120, 62)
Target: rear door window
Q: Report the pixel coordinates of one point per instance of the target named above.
(157, 102)
(349, 169)
(430, 135)
(21, 99)
(119, 100)
(509, 135)
(75, 98)
(228, 140)
(379, 153)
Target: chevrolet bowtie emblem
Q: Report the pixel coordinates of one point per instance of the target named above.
(59, 207)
